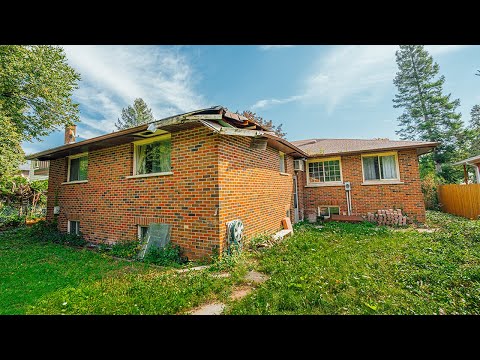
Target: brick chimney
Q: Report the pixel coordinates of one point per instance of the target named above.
(70, 133)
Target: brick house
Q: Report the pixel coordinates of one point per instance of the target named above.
(382, 174)
(199, 170)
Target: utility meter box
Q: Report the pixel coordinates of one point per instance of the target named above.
(348, 186)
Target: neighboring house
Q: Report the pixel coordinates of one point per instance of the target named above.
(475, 163)
(200, 170)
(35, 169)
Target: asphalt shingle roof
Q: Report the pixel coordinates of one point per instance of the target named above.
(339, 146)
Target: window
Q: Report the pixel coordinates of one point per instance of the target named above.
(77, 167)
(282, 162)
(153, 156)
(324, 171)
(73, 227)
(142, 232)
(326, 211)
(380, 167)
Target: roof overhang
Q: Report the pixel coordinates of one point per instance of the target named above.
(216, 118)
(475, 160)
(421, 150)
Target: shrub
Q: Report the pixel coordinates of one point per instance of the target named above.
(169, 255)
(430, 192)
(46, 231)
(10, 217)
(127, 249)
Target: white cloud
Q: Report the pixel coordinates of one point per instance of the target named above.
(443, 49)
(113, 76)
(356, 72)
(84, 133)
(274, 47)
(268, 102)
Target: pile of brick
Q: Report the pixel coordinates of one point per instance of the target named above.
(388, 217)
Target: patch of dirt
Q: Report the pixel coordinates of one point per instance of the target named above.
(241, 292)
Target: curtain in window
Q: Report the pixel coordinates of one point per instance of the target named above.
(140, 160)
(369, 168)
(389, 168)
(83, 166)
(160, 156)
(153, 157)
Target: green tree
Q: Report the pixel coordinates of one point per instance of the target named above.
(135, 115)
(429, 114)
(36, 85)
(268, 124)
(473, 132)
(11, 153)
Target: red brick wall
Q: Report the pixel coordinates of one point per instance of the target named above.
(252, 188)
(109, 206)
(369, 198)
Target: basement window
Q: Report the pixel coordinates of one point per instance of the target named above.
(326, 211)
(77, 167)
(73, 227)
(142, 232)
(152, 156)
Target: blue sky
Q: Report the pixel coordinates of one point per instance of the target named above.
(315, 91)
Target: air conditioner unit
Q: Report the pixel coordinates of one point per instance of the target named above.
(298, 165)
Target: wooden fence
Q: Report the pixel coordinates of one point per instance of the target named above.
(461, 200)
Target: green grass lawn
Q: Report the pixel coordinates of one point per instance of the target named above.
(44, 278)
(335, 269)
(364, 269)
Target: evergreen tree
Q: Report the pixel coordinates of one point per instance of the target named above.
(474, 131)
(429, 114)
(135, 115)
(277, 129)
(475, 117)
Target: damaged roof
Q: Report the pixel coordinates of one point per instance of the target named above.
(224, 122)
(319, 147)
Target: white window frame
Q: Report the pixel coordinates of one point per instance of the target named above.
(325, 183)
(282, 163)
(329, 212)
(68, 168)
(69, 226)
(144, 142)
(139, 231)
(381, 181)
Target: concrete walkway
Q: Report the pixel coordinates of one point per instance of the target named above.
(253, 277)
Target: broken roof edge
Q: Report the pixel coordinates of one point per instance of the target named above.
(214, 113)
(253, 133)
